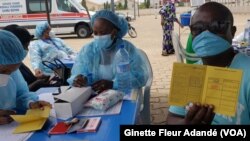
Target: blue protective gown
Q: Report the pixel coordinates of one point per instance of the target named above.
(101, 64)
(48, 50)
(15, 95)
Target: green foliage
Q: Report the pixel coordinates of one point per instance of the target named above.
(125, 4)
(106, 5)
(147, 3)
(119, 6)
(181, 4)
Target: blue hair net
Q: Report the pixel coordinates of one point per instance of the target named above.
(119, 22)
(40, 28)
(11, 49)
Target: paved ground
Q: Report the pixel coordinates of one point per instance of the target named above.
(149, 39)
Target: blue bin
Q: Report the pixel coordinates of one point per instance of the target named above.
(185, 19)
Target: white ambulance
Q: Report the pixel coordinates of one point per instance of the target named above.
(67, 16)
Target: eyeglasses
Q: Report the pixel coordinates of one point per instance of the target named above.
(216, 27)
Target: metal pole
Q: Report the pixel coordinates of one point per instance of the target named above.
(138, 7)
(86, 7)
(134, 10)
(47, 10)
(112, 6)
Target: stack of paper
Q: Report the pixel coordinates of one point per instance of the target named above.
(7, 135)
(32, 121)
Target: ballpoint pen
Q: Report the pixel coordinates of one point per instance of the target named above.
(73, 121)
(57, 93)
(69, 88)
(78, 126)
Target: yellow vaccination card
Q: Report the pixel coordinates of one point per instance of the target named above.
(207, 85)
(33, 120)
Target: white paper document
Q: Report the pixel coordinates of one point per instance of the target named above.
(47, 90)
(116, 109)
(6, 133)
(49, 98)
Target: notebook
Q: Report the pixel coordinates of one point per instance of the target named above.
(92, 126)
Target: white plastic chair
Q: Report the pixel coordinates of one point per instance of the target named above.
(144, 114)
(181, 53)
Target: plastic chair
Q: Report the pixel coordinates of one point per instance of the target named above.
(145, 107)
(181, 53)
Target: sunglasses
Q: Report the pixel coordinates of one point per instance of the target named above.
(216, 27)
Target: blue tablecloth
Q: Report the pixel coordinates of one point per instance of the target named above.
(109, 129)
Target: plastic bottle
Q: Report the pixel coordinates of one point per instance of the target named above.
(90, 78)
(123, 70)
(247, 33)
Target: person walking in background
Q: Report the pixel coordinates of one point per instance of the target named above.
(168, 17)
(47, 48)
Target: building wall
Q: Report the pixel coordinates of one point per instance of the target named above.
(236, 6)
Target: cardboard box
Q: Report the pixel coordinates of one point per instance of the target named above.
(70, 102)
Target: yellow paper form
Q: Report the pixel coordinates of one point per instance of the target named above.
(205, 84)
(186, 84)
(221, 89)
(33, 120)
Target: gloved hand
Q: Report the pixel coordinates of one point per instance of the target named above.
(102, 85)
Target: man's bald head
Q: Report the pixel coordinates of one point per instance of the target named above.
(209, 14)
(217, 12)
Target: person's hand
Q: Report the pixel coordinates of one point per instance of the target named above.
(102, 85)
(199, 114)
(162, 23)
(42, 82)
(39, 73)
(38, 84)
(5, 116)
(181, 26)
(45, 77)
(80, 81)
(39, 105)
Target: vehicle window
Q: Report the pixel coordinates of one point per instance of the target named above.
(65, 5)
(37, 6)
(78, 5)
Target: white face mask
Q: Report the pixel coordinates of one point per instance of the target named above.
(103, 41)
(52, 34)
(4, 79)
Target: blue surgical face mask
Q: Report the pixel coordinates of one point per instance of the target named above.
(4, 79)
(104, 41)
(52, 34)
(209, 44)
